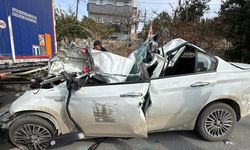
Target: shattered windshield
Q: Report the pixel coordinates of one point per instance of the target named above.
(148, 46)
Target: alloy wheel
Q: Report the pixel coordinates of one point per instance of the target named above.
(218, 123)
(33, 136)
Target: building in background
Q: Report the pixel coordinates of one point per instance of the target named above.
(26, 31)
(122, 13)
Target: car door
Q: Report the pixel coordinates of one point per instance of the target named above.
(176, 100)
(110, 110)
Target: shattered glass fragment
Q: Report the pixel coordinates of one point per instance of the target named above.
(228, 142)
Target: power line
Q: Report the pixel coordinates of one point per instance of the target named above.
(77, 5)
(73, 4)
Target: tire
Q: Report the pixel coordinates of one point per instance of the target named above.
(216, 122)
(31, 132)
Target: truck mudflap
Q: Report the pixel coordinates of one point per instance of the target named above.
(65, 139)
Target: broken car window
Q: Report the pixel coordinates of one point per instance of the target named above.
(205, 63)
(184, 64)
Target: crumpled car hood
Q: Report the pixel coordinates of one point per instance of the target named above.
(71, 60)
(112, 67)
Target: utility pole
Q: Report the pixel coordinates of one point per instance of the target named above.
(172, 9)
(145, 17)
(77, 5)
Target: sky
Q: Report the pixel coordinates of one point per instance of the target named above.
(148, 5)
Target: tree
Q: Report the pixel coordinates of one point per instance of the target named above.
(68, 27)
(191, 10)
(161, 25)
(235, 18)
(127, 17)
(202, 32)
(186, 22)
(97, 30)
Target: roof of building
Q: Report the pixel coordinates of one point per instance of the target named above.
(110, 9)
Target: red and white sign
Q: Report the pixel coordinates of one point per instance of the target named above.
(2, 24)
(150, 30)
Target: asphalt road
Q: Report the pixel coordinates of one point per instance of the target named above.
(185, 140)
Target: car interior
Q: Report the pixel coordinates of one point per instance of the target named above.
(185, 64)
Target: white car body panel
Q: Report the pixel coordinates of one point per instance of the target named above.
(107, 113)
(45, 101)
(99, 103)
(175, 103)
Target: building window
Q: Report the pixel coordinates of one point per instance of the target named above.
(98, 19)
(101, 2)
(126, 3)
(111, 2)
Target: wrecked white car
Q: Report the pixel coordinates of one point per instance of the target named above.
(176, 87)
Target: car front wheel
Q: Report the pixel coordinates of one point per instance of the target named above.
(216, 122)
(31, 132)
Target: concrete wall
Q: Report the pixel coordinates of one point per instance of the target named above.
(115, 2)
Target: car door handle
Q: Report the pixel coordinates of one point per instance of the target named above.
(131, 95)
(199, 84)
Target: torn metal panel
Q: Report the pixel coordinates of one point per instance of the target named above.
(161, 61)
(112, 67)
(176, 55)
(138, 73)
(70, 60)
(172, 45)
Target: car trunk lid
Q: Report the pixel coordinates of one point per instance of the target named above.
(241, 65)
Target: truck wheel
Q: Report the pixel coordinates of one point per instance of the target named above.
(216, 122)
(31, 132)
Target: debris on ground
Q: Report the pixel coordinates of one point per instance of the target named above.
(228, 142)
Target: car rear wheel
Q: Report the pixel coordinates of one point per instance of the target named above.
(216, 122)
(31, 132)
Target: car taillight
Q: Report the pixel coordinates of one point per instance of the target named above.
(85, 70)
(84, 50)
